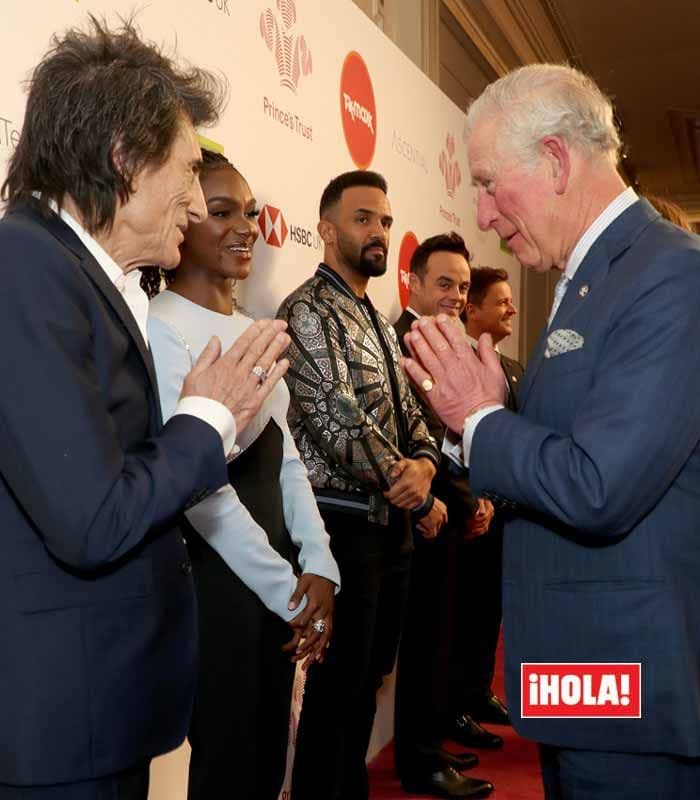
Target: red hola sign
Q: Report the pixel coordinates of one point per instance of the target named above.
(581, 690)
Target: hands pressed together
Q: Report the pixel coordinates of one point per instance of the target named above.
(308, 642)
(448, 374)
(480, 522)
(243, 376)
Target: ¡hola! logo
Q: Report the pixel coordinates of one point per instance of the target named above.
(409, 243)
(289, 49)
(581, 690)
(272, 226)
(449, 166)
(358, 110)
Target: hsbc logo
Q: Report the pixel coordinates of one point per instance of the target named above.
(272, 226)
(275, 230)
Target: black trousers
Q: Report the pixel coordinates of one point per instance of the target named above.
(592, 775)
(132, 784)
(425, 653)
(478, 604)
(240, 723)
(340, 696)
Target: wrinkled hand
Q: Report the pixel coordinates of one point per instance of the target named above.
(228, 378)
(411, 479)
(480, 522)
(429, 526)
(462, 381)
(307, 643)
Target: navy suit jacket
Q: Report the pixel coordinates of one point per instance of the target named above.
(97, 611)
(602, 562)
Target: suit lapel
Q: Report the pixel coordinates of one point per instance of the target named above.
(594, 268)
(98, 276)
(511, 380)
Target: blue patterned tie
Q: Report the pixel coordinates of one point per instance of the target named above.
(559, 292)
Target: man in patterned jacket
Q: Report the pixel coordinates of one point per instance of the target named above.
(371, 461)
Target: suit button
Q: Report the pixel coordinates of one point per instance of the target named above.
(186, 567)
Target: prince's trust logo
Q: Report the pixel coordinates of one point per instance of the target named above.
(449, 166)
(291, 53)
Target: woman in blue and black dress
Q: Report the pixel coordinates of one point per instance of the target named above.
(263, 569)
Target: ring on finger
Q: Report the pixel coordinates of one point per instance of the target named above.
(427, 385)
(319, 625)
(259, 373)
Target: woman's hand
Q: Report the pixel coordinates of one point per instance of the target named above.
(308, 642)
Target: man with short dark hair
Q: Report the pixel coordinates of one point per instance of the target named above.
(490, 309)
(370, 459)
(430, 642)
(97, 606)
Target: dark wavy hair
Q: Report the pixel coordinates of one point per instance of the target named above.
(441, 243)
(94, 94)
(153, 279)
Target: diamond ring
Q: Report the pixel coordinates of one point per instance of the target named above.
(259, 372)
(319, 625)
(427, 385)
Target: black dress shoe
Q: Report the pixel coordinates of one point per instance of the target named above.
(459, 761)
(437, 757)
(490, 709)
(469, 733)
(447, 783)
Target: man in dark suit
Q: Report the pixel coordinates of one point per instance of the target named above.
(601, 560)
(97, 611)
(431, 641)
(490, 309)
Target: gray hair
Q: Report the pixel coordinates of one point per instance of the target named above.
(549, 99)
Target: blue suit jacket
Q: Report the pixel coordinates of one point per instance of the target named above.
(97, 616)
(603, 561)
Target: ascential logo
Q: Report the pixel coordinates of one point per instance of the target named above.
(289, 49)
(449, 166)
(272, 226)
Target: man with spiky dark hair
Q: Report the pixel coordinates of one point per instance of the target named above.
(370, 459)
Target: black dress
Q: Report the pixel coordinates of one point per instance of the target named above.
(240, 721)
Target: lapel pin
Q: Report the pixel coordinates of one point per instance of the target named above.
(583, 291)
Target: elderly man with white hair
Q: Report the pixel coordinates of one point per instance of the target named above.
(601, 463)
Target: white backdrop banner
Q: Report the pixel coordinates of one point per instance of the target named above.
(315, 90)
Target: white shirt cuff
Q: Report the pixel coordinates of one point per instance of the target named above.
(470, 424)
(452, 447)
(215, 414)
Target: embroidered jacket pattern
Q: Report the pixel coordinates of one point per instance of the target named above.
(342, 415)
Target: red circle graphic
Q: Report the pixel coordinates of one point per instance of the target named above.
(409, 243)
(358, 110)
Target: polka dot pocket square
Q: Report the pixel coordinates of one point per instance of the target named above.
(562, 341)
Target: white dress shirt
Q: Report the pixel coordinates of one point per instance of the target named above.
(204, 408)
(621, 203)
(179, 330)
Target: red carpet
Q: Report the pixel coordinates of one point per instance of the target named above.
(514, 770)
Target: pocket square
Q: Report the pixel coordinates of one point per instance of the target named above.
(561, 341)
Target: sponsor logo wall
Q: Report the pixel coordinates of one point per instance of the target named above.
(314, 89)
